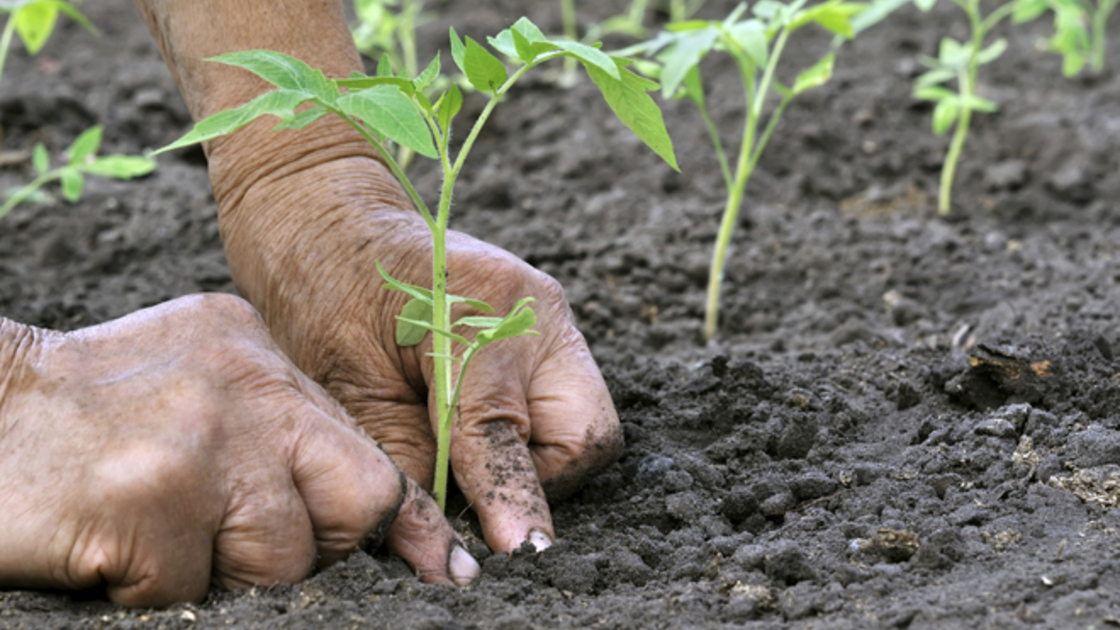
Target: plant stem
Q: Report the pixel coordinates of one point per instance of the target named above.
(1100, 42)
(24, 192)
(6, 40)
(713, 131)
(948, 171)
(410, 9)
(447, 395)
(748, 155)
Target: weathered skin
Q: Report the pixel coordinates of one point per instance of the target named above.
(177, 446)
(304, 215)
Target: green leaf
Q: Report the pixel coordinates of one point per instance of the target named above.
(384, 66)
(74, 14)
(934, 93)
(280, 103)
(420, 293)
(85, 146)
(408, 333)
(431, 73)
(834, 16)
(992, 52)
(628, 100)
(944, 115)
(750, 36)
(476, 304)
(522, 46)
(478, 322)
(428, 326)
(687, 25)
(1028, 10)
(72, 184)
(283, 71)
(952, 54)
(979, 104)
(120, 166)
(303, 119)
(925, 5)
(387, 110)
(450, 105)
(588, 55)
(485, 71)
(694, 87)
(34, 22)
(526, 27)
(517, 323)
(458, 51)
(876, 12)
(682, 57)
(815, 76)
(361, 83)
(933, 77)
(767, 9)
(504, 43)
(39, 158)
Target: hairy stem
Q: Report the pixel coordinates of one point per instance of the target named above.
(948, 171)
(417, 200)
(1100, 35)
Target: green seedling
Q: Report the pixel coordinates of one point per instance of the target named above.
(34, 21)
(1080, 35)
(387, 108)
(756, 44)
(960, 62)
(83, 160)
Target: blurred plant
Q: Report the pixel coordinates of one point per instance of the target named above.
(960, 62)
(1080, 35)
(392, 108)
(34, 20)
(756, 44)
(82, 161)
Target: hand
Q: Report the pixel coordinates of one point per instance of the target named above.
(305, 215)
(156, 451)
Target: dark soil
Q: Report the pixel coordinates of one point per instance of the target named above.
(906, 422)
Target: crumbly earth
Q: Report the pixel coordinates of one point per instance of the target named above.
(906, 422)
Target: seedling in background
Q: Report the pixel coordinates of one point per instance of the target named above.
(960, 62)
(1079, 36)
(390, 36)
(756, 44)
(82, 161)
(388, 108)
(34, 20)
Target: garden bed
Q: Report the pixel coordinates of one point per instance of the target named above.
(907, 421)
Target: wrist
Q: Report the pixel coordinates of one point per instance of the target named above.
(20, 347)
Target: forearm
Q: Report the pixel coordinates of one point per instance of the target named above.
(315, 31)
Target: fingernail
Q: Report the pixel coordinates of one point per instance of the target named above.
(540, 540)
(462, 567)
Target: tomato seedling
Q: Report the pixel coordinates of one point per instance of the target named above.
(756, 44)
(83, 160)
(34, 20)
(388, 108)
(960, 62)
(1080, 34)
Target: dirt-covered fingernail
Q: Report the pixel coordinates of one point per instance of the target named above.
(539, 540)
(461, 566)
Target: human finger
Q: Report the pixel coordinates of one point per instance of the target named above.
(490, 455)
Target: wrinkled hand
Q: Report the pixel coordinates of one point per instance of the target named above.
(178, 444)
(535, 415)
(305, 215)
